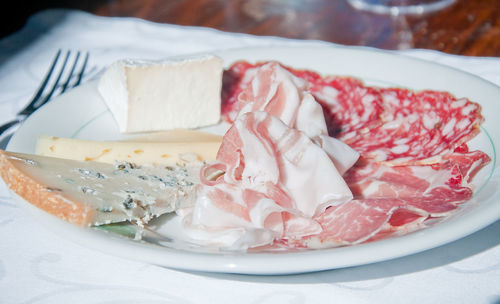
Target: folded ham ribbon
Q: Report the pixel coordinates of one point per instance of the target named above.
(276, 169)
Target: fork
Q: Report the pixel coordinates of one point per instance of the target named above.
(39, 99)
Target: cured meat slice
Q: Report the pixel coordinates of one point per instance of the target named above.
(351, 107)
(418, 126)
(395, 200)
(234, 81)
(275, 179)
(276, 91)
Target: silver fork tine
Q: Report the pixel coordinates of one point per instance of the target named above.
(7, 126)
(66, 83)
(82, 70)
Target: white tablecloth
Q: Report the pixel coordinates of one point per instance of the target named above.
(38, 266)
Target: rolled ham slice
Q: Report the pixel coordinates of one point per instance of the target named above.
(275, 181)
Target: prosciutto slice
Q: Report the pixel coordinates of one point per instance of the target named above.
(273, 180)
(276, 91)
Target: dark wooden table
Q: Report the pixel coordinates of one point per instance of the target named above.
(468, 27)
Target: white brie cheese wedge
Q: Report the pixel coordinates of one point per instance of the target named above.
(148, 96)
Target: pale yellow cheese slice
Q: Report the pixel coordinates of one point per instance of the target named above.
(168, 148)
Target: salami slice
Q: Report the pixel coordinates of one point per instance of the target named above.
(351, 108)
(415, 127)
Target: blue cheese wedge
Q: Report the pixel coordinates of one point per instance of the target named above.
(92, 193)
(146, 96)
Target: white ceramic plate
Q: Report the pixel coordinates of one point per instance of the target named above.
(81, 114)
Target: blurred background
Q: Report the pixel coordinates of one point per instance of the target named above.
(468, 27)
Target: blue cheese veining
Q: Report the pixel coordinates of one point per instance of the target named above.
(98, 193)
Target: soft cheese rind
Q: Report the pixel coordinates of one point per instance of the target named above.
(92, 193)
(162, 95)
